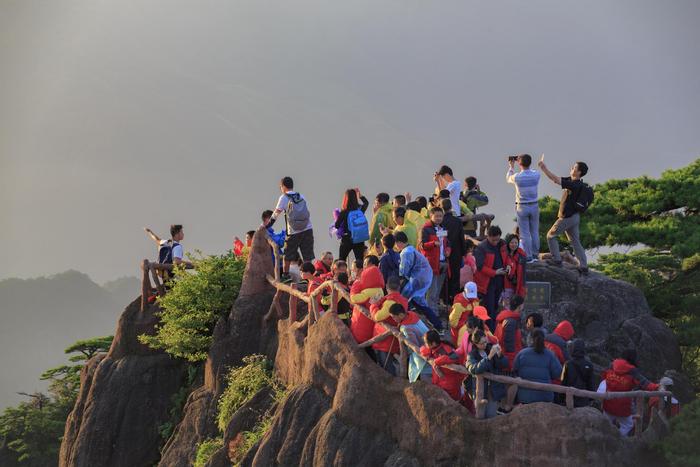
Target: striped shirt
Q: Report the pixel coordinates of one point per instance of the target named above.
(525, 183)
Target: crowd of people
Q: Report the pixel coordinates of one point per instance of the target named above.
(445, 275)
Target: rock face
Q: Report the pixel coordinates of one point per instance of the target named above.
(342, 409)
(124, 397)
(345, 410)
(610, 315)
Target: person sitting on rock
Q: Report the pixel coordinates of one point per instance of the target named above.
(538, 364)
(413, 329)
(557, 340)
(462, 308)
(578, 372)
(385, 349)
(623, 376)
(369, 285)
(508, 329)
(443, 354)
(416, 275)
(485, 357)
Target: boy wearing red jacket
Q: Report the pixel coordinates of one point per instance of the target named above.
(508, 329)
(387, 347)
(462, 308)
(369, 285)
(444, 354)
(621, 377)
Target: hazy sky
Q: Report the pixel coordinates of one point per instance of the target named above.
(119, 114)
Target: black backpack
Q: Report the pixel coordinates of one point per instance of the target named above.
(584, 198)
(165, 252)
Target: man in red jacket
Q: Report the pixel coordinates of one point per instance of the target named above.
(621, 377)
(491, 261)
(444, 354)
(436, 248)
(386, 348)
(508, 329)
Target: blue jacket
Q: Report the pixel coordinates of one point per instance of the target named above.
(538, 367)
(477, 365)
(389, 264)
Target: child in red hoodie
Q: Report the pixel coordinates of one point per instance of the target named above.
(621, 377)
(369, 285)
(443, 354)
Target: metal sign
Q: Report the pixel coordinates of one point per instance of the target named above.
(539, 295)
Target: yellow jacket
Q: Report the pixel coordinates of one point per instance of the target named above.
(382, 216)
(410, 231)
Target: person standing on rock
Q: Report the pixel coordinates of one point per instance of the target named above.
(526, 181)
(491, 261)
(300, 234)
(353, 224)
(575, 199)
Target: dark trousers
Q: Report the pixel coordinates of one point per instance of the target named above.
(346, 246)
(429, 313)
(453, 288)
(490, 301)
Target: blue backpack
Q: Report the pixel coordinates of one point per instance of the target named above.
(358, 226)
(165, 252)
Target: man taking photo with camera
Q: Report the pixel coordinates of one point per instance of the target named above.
(527, 210)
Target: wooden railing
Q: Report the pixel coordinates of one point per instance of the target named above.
(150, 271)
(481, 400)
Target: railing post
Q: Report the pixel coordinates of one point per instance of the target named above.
(639, 419)
(569, 399)
(312, 311)
(479, 402)
(293, 308)
(145, 285)
(403, 361)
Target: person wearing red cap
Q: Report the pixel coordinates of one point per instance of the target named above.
(556, 341)
(462, 308)
(369, 285)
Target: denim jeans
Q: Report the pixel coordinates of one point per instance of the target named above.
(529, 225)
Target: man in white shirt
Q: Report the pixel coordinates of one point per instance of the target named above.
(300, 234)
(446, 181)
(170, 251)
(527, 210)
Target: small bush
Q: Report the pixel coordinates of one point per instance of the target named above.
(681, 447)
(194, 304)
(242, 383)
(206, 449)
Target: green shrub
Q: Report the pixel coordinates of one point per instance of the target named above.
(681, 447)
(251, 438)
(206, 449)
(194, 304)
(178, 401)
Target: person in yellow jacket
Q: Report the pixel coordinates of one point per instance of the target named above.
(398, 216)
(462, 308)
(382, 216)
(413, 216)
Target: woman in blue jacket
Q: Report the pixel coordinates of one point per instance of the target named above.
(538, 364)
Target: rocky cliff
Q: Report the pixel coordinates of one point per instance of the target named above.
(344, 410)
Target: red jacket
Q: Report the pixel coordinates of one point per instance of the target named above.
(389, 344)
(557, 342)
(371, 283)
(321, 268)
(451, 381)
(516, 279)
(619, 378)
(428, 248)
(483, 275)
(508, 334)
(460, 312)
(313, 285)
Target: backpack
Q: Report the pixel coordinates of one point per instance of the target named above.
(165, 252)
(584, 198)
(297, 213)
(358, 226)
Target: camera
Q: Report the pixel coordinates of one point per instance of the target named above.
(512, 158)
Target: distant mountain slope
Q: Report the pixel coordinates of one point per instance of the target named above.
(40, 317)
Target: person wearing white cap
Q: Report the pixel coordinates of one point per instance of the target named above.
(462, 308)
